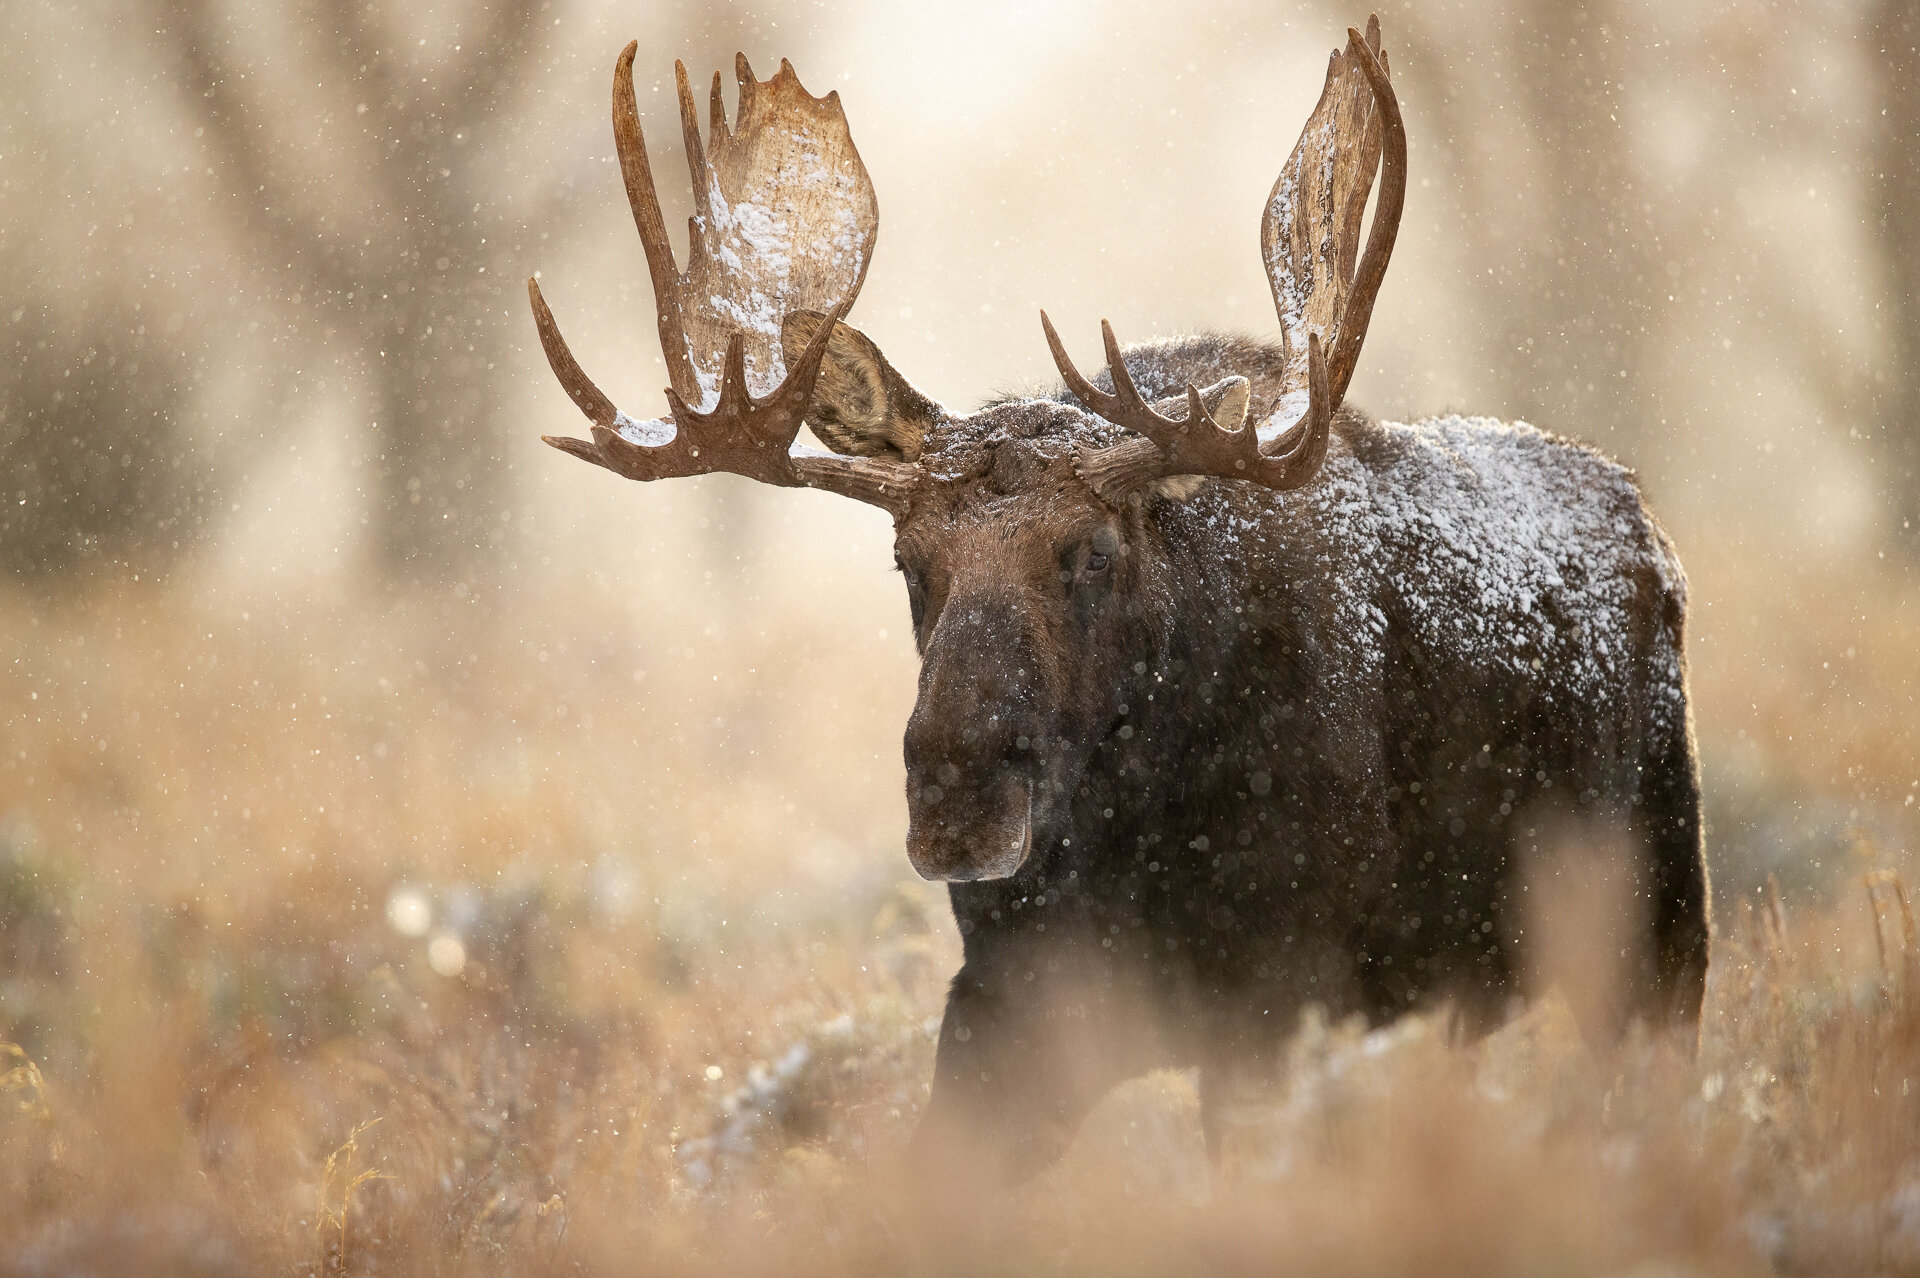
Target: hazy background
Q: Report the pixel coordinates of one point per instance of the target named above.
(362, 757)
(266, 339)
(271, 385)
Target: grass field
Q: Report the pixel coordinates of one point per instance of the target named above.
(367, 936)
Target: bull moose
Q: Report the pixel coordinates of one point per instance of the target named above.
(1233, 700)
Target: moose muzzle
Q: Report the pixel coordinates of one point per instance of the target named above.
(974, 746)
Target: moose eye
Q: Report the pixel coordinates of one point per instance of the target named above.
(1096, 562)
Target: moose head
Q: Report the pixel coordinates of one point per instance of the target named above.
(1029, 533)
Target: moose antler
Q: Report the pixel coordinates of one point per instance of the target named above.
(1195, 444)
(1309, 237)
(1311, 230)
(785, 220)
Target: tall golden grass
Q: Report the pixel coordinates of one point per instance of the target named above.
(366, 940)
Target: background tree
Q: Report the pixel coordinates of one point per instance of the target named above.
(378, 194)
(1894, 193)
(98, 459)
(104, 462)
(1562, 247)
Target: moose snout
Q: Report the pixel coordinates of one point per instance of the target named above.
(975, 742)
(972, 752)
(970, 770)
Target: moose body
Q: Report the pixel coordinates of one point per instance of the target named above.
(1317, 747)
(1220, 716)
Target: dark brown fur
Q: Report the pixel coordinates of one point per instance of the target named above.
(1269, 750)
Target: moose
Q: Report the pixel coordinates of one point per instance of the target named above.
(1233, 700)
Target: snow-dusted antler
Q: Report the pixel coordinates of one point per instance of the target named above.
(785, 220)
(1195, 444)
(1309, 237)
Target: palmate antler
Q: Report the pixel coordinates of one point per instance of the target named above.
(1309, 237)
(785, 220)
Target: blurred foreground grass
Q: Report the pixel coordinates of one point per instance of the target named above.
(388, 937)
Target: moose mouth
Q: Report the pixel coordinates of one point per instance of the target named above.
(970, 842)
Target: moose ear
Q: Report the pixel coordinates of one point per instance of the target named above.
(861, 406)
(1227, 401)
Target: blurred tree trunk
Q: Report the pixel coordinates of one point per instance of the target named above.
(437, 434)
(1561, 250)
(104, 470)
(403, 256)
(98, 466)
(1571, 357)
(1895, 192)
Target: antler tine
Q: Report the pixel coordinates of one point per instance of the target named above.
(696, 151)
(740, 427)
(579, 387)
(644, 199)
(1085, 391)
(1126, 406)
(1294, 461)
(1140, 415)
(1386, 213)
(797, 389)
(1124, 391)
(733, 376)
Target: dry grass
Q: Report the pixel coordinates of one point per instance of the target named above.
(321, 953)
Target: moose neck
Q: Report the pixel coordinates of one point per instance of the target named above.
(1223, 713)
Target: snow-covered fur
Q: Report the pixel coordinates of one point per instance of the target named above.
(1275, 749)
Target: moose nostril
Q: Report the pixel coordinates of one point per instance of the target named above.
(948, 774)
